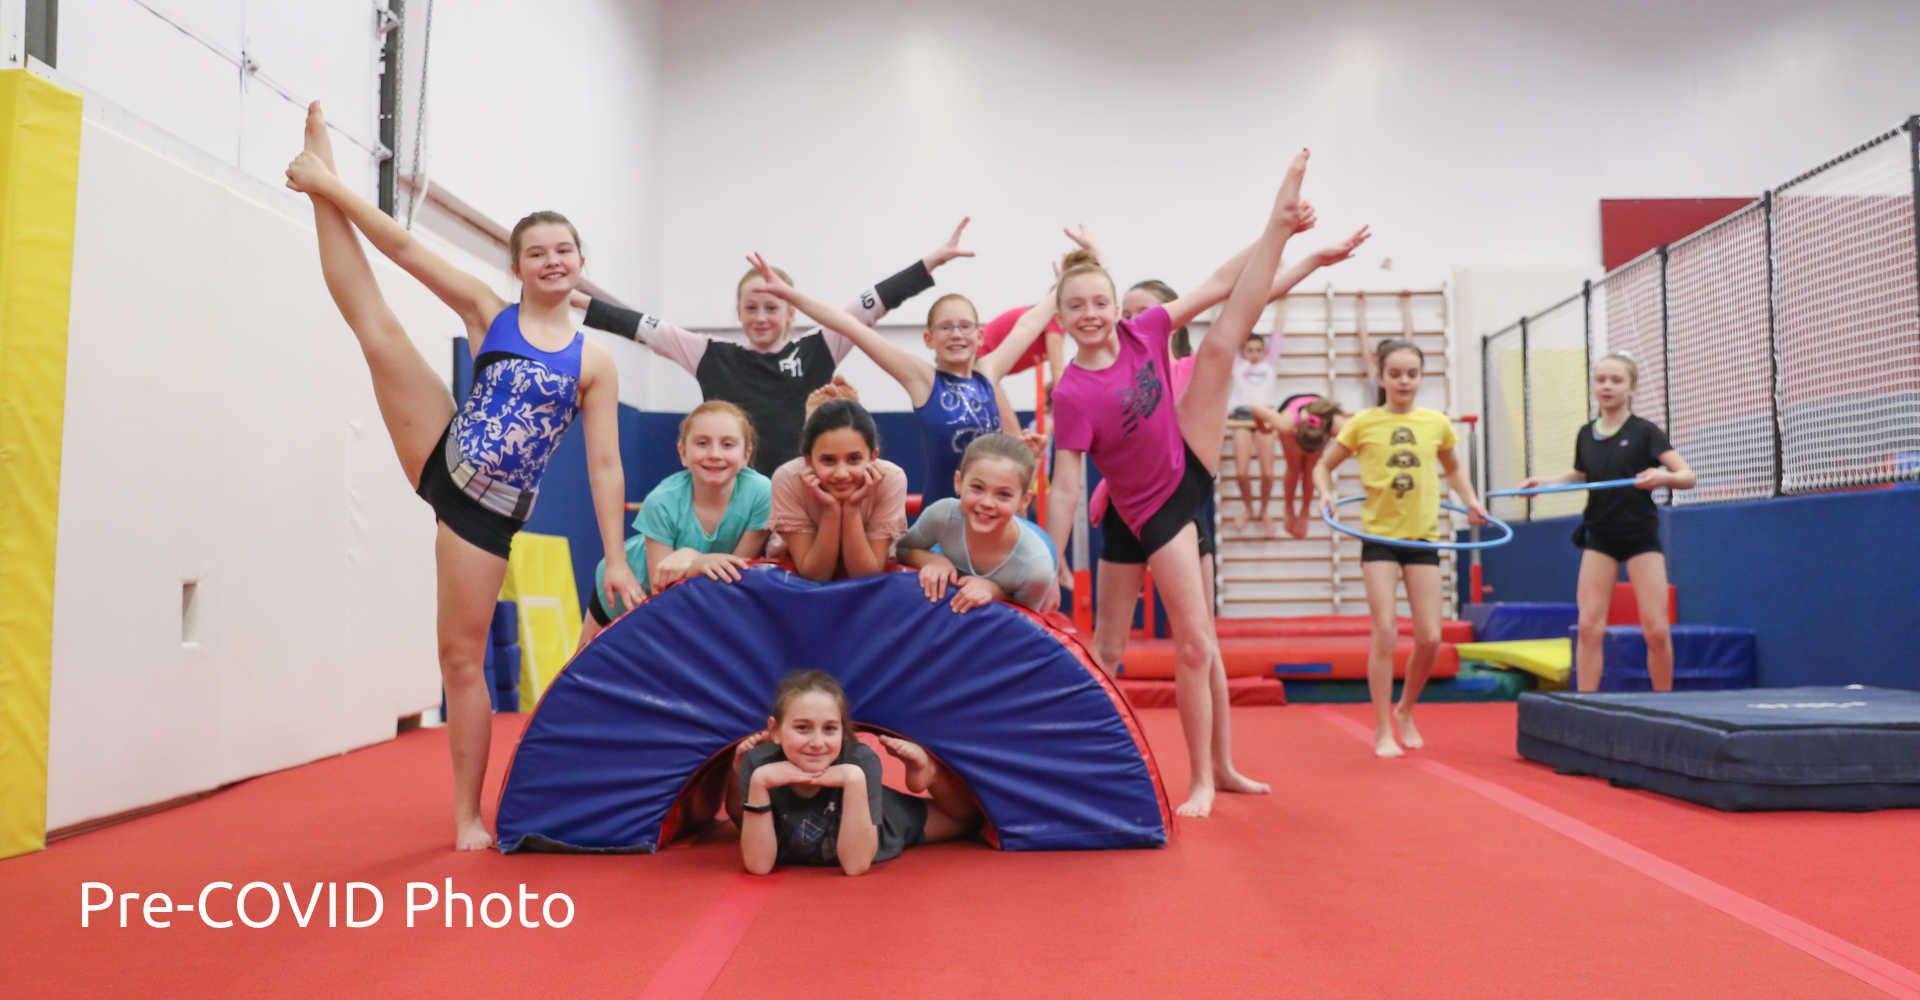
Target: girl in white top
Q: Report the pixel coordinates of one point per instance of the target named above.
(1254, 385)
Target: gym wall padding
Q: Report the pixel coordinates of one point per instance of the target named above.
(221, 428)
(1019, 712)
(39, 161)
(1824, 581)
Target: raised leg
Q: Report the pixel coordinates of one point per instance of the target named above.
(414, 403)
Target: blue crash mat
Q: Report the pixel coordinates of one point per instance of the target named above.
(1842, 748)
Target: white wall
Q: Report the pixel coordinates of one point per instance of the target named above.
(221, 428)
(841, 139)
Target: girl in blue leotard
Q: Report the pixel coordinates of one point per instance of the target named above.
(479, 467)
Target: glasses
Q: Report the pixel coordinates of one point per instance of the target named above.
(965, 326)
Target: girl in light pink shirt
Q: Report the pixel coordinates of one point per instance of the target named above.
(837, 508)
(1115, 402)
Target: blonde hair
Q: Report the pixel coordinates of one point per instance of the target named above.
(721, 406)
(999, 446)
(951, 297)
(752, 273)
(1076, 263)
(1633, 369)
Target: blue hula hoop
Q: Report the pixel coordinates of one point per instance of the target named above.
(1605, 484)
(1410, 543)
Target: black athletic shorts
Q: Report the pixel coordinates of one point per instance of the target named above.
(1119, 543)
(1619, 546)
(463, 514)
(1405, 555)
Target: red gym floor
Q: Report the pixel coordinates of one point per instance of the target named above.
(1461, 871)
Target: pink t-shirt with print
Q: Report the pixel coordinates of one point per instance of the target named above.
(1124, 417)
(795, 508)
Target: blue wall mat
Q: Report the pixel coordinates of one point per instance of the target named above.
(1825, 582)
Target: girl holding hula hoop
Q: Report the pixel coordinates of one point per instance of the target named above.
(1399, 446)
(480, 466)
(1621, 527)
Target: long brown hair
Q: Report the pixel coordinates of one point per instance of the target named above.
(802, 682)
(1315, 423)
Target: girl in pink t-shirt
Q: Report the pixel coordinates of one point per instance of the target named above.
(1115, 402)
(837, 508)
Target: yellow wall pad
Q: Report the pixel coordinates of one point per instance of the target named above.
(540, 580)
(39, 178)
(1550, 660)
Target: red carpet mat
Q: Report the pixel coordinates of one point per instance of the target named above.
(1359, 878)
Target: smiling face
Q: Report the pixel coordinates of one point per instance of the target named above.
(1400, 376)
(714, 447)
(810, 730)
(992, 490)
(764, 318)
(953, 331)
(1612, 384)
(840, 458)
(1088, 308)
(548, 260)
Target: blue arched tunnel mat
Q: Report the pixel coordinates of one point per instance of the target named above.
(1015, 707)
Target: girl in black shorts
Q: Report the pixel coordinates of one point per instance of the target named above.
(808, 791)
(1621, 527)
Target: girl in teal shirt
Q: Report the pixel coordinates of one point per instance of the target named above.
(710, 518)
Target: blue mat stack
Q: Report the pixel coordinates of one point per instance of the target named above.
(1839, 748)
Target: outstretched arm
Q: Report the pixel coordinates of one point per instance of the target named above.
(600, 417)
(465, 294)
(914, 374)
(997, 362)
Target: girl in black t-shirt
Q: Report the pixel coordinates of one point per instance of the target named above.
(809, 792)
(1621, 527)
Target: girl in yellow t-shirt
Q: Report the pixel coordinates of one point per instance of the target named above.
(1399, 446)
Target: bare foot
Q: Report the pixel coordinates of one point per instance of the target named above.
(1199, 804)
(1273, 525)
(921, 769)
(319, 142)
(471, 835)
(1235, 783)
(1409, 736)
(1384, 746)
(1239, 520)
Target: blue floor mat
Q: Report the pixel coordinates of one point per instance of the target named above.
(1841, 748)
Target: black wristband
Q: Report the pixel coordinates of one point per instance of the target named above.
(909, 282)
(613, 319)
(757, 809)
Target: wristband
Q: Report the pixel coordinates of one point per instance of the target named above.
(757, 809)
